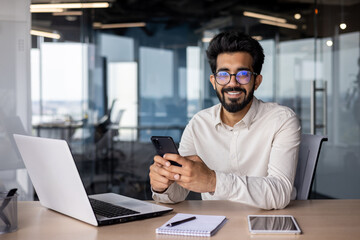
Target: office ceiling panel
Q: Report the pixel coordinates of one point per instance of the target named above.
(202, 15)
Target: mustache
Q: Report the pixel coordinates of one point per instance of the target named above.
(235, 89)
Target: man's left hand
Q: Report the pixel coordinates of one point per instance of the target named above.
(194, 175)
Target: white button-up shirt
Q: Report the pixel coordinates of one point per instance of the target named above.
(254, 161)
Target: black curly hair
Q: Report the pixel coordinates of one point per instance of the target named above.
(234, 41)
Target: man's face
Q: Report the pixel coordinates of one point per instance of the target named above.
(234, 96)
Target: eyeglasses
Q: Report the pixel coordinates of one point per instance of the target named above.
(242, 77)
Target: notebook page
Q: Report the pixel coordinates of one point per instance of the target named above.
(203, 225)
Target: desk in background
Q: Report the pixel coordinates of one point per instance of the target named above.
(318, 219)
(62, 130)
(143, 133)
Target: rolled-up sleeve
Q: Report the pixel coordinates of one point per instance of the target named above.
(175, 193)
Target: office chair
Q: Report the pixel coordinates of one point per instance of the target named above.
(106, 155)
(310, 147)
(96, 155)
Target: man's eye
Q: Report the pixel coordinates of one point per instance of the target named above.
(222, 74)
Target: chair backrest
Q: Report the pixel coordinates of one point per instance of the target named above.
(310, 147)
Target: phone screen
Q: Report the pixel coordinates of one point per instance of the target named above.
(165, 144)
(273, 224)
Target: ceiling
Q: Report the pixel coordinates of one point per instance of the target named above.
(201, 15)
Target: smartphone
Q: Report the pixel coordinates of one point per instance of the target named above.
(273, 224)
(165, 144)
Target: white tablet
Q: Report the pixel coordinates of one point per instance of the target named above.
(274, 224)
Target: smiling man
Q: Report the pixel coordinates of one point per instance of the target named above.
(242, 149)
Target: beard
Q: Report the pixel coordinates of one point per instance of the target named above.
(235, 104)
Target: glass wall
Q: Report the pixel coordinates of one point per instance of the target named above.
(15, 99)
(107, 90)
(340, 162)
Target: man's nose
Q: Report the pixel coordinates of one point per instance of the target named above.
(233, 80)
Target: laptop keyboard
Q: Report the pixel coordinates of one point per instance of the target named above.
(109, 210)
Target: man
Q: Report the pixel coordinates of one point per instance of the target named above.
(243, 149)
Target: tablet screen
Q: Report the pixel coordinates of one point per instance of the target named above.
(273, 224)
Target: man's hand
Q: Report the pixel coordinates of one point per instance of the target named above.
(194, 175)
(160, 177)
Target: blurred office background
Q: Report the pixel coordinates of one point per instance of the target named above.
(106, 77)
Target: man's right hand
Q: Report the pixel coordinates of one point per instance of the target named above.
(160, 178)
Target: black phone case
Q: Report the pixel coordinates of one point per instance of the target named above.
(165, 144)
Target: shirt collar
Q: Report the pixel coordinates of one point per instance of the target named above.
(217, 121)
(248, 118)
(250, 115)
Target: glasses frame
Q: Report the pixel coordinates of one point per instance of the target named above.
(234, 74)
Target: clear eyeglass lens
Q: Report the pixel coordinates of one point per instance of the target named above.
(243, 77)
(223, 77)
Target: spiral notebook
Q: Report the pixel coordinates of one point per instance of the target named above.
(203, 225)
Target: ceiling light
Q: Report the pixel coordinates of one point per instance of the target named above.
(265, 17)
(342, 22)
(206, 39)
(208, 35)
(96, 25)
(68, 13)
(343, 26)
(45, 34)
(297, 16)
(329, 43)
(70, 5)
(71, 18)
(118, 25)
(259, 38)
(284, 25)
(46, 10)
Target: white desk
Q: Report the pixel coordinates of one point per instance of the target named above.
(318, 219)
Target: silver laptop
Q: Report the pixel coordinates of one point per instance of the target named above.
(58, 185)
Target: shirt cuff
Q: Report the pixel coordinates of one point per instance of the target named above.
(173, 194)
(225, 186)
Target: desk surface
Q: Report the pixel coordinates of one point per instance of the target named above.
(318, 219)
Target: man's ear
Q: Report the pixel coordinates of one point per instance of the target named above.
(258, 81)
(212, 80)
